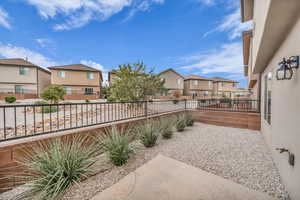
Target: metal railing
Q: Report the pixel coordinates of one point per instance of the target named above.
(18, 121)
(230, 105)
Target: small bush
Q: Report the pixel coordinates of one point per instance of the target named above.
(54, 93)
(148, 133)
(180, 123)
(52, 167)
(10, 99)
(175, 101)
(41, 102)
(111, 99)
(116, 143)
(87, 101)
(49, 109)
(189, 119)
(166, 127)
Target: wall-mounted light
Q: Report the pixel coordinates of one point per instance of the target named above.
(286, 66)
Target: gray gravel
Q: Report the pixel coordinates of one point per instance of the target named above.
(237, 154)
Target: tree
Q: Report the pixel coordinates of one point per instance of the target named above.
(134, 83)
(54, 94)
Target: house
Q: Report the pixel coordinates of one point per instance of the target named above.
(80, 81)
(198, 86)
(271, 55)
(173, 81)
(223, 87)
(22, 79)
(111, 78)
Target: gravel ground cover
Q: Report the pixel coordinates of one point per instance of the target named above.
(237, 154)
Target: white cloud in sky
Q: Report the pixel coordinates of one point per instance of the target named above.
(44, 42)
(10, 51)
(227, 59)
(97, 66)
(4, 19)
(78, 13)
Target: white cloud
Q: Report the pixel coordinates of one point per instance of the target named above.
(207, 2)
(227, 59)
(78, 13)
(97, 66)
(44, 42)
(10, 51)
(4, 19)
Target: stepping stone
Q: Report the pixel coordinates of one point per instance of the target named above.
(164, 178)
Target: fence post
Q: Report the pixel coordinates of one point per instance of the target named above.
(146, 108)
(185, 100)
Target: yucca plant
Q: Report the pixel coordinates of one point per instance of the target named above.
(189, 119)
(148, 133)
(166, 127)
(116, 143)
(52, 167)
(180, 123)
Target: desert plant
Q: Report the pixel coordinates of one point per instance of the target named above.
(40, 102)
(116, 143)
(53, 166)
(87, 101)
(49, 109)
(111, 99)
(166, 127)
(189, 119)
(180, 123)
(175, 101)
(10, 99)
(54, 93)
(148, 133)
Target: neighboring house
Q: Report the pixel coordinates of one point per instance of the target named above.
(80, 81)
(198, 86)
(223, 87)
(111, 78)
(275, 37)
(22, 78)
(173, 81)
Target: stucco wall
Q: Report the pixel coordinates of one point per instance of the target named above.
(171, 79)
(10, 74)
(284, 130)
(44, 80)
(75, 78)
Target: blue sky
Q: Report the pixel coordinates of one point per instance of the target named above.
(191, 36)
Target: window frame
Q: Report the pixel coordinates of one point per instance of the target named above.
(88, 75)
(23, 71)
(61, 74)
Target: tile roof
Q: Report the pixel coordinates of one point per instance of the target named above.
(220, 79)
(75, 67)
(16, 61)
(170, 69)
(196, 77)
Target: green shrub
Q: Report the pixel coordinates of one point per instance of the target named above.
(111, 99)
(180, 123)
(116, 143)
(148, 133)
(53, 166)
(189, 119)
(49, 109)
(54, 93)
(166, 127)
(87, 101)
(40, 102)
(10, 99)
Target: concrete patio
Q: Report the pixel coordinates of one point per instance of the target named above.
(164, 178)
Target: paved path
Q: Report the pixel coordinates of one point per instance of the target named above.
(164, 178)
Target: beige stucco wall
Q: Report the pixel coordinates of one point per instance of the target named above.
(75, 78)
(227, 86)
(201, 85)
(284, 130)
(171, 79)
(10, 74)
(44, 80)
(10, 88)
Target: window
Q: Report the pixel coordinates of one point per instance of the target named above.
(220, 84)
(88, 90)
(195, 82)
(19, 89)
(209, 84)
(267, 101)
(178, 82)
(205, 93)
(68, 90)
(90, 75)
(23, 70)
(61, 74)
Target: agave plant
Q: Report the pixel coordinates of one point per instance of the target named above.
(189, 119)
(180, 123)
(52, 167)
(116, 143)
(148, 133)
(166, 127)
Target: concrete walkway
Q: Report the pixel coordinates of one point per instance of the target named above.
(164, 178)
